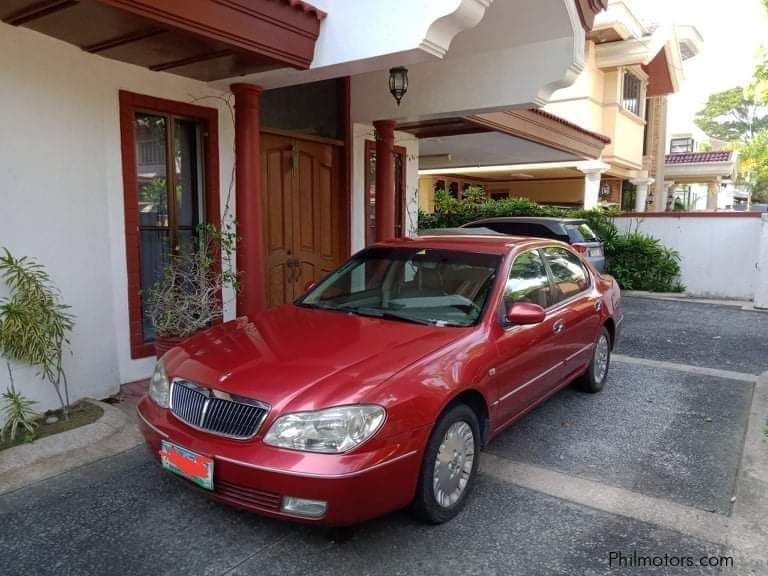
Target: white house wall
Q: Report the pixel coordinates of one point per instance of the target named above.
(361, 133)
(718, 255)
(62, 195)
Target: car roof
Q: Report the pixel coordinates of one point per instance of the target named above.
(496, 244)
(475, 231)
(532, 219)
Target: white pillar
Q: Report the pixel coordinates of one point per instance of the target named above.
(665, 192)
(592, 171)
(713, 191)
(641, 194)
(761, 286)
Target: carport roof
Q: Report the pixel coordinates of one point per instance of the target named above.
(500, 138)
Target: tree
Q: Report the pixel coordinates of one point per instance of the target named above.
(733, 115)
(753, 162)
(740, 117)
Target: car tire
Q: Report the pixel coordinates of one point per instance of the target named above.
(454, 440)
(593, 380)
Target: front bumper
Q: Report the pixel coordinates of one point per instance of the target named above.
(251, 475)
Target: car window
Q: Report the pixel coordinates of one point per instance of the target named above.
(568, 272)
(528, 281)
(412, 284)
(581, 233)
(522, 229)
(541, 231)
(512, 228)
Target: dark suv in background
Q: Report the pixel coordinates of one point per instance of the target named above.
(574, 231)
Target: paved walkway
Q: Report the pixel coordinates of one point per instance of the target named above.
(668, 461)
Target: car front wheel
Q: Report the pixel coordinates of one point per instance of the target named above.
(450, 465)
(594, 378)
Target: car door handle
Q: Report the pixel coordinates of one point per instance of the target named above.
(558, 326)
(598, 305)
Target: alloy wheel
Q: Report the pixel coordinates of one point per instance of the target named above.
(453, 464)
(602, 352)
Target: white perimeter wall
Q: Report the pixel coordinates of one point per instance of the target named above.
(361, 133)
(719, 255)
(61, 199)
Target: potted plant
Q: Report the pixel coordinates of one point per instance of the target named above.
(187, 297)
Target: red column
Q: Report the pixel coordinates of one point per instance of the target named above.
(250, 248)
(385, 179)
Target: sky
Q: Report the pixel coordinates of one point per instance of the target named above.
(733, 32)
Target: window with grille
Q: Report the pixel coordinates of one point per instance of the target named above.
(681, 145)
(171, 185)
(632, 93)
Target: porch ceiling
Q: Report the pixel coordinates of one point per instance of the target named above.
(201, 39)
(502, 138)
(513, 173)
(483, 150)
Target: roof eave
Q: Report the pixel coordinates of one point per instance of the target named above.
(635, 51)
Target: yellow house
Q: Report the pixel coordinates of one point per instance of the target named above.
(620, 96)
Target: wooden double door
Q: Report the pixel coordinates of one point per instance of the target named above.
(304, 211)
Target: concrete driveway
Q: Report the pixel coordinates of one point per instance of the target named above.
(666, 462)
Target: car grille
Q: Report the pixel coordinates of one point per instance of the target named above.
(204, 409)
(247, 497)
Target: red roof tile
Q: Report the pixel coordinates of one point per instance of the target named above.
(556, 118)
(698, 157)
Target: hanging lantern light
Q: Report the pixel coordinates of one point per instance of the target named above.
(398, 82)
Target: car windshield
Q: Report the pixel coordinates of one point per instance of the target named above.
(581, 233)
(420, 285)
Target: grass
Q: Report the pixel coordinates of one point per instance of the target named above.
(80, 414)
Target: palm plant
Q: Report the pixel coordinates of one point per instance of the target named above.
(34, 324)
(17, 413)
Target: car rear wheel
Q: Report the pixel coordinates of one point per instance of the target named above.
(594, 378)
(449, 467)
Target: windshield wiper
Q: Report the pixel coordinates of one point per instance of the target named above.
(386, 314)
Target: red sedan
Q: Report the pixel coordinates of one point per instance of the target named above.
(379, 387)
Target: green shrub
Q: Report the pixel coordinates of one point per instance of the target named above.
(637, 261)
(451, 213)
(640, 262)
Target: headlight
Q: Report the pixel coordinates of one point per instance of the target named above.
(333, 430)
(159, 389)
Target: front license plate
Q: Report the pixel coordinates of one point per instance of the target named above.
(190, 465)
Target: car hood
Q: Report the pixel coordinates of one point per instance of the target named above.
(305, 358)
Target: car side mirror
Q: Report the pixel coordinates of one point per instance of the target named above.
(309, 285)
(522, 313)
